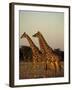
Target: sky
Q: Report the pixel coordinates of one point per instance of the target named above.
(50, 24)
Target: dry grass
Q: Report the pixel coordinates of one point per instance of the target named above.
(29, 70)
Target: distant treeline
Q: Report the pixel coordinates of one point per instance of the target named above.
(60, 53)
(25, 53)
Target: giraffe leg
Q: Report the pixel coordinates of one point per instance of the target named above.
(34, 68)
(58, 67)
(54, 69)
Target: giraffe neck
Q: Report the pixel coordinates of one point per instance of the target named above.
(43, 45)
(32, 45)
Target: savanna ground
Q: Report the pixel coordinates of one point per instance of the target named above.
(29, 70)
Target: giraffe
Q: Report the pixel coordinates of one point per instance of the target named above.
(36, 54)
(51, 56)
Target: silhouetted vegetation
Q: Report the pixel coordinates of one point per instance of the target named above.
(60, 53)
(25, 53)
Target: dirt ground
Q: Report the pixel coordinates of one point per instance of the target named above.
(29, 70)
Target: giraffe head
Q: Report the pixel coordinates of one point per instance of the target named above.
(37, 34)
(24, 35)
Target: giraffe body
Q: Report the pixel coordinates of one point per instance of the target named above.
(36, 54)
(51, 58)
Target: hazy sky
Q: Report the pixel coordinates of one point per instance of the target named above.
(50, 24)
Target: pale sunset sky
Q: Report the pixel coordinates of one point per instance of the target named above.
(50, 24)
